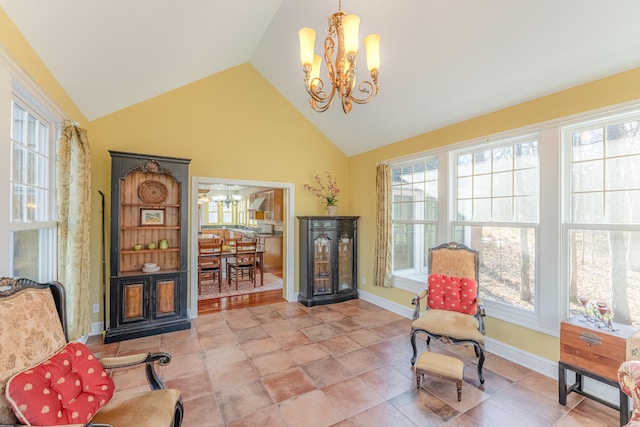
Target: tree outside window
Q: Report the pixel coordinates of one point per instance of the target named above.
(603, 222)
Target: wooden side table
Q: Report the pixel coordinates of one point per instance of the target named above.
(595, 353)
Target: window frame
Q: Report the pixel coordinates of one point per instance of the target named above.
(404, 281)
(47, 252)
(601, 119)
(498, 309)
(545, 316)
(552, 257)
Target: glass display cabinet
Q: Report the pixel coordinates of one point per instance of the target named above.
(328, 257)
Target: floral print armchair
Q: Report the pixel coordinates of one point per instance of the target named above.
(35, 356)
(629, 378)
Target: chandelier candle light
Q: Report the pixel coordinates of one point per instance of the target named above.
(343, 31)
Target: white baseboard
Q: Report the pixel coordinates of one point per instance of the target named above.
(386, 304)
(96, 329)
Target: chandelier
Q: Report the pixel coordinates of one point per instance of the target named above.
(228, 199)
(342, 39)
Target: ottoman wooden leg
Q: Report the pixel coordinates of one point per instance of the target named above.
(440, 365)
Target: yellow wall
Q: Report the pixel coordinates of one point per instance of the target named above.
(613, 90)
(233, 125)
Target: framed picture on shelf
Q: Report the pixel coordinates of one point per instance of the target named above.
(151, 216)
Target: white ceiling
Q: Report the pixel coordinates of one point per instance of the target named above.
(442, 61)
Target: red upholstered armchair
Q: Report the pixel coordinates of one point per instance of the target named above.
(46, 381)
(454, 312)
(629, 378)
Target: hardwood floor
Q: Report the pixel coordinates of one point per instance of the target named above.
(215, 305)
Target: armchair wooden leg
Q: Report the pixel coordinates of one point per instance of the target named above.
(480, 354)
(179, 414)
(413, 345)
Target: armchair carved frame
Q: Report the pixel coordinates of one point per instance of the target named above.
(21, 295)
(458, 260)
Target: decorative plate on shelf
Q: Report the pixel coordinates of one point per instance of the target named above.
(151, 191)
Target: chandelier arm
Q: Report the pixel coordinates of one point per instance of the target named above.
(368, 88)
(315, 89)
(319, 100)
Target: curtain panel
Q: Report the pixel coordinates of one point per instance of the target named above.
(73, 173)
(382, 257)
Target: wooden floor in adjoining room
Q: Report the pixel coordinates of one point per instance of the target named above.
(215, 305)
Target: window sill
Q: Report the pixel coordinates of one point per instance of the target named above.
(414, 284)
(516, 316)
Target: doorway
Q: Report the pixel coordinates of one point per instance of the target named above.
(240, 217)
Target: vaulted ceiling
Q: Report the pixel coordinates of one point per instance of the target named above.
(441, 61)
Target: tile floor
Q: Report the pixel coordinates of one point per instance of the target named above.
(345, 364)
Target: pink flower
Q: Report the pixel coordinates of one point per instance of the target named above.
(327, 192)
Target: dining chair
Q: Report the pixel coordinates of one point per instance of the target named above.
(244, 264)
(209, 261)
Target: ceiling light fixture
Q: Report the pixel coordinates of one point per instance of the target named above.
(343, 32)
(203, 198)
(229, 198)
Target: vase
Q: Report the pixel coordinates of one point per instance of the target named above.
(332, 210)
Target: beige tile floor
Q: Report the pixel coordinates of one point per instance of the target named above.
(345, 364)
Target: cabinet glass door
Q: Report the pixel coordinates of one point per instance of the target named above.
(345, 264)
(322, 271)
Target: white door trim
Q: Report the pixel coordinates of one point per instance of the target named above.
(288, 243)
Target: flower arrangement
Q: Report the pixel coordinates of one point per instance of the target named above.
(328, 191)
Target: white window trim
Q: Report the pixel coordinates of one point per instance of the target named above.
(552, 275)
(15, 82)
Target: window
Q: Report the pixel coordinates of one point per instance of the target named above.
(212, 212)
(242, 208)
(554, 210)
(32, 223)
(414, 216)
(227, 212)
(496, 212)
(602, 223)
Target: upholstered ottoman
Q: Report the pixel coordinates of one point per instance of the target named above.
(441, 365)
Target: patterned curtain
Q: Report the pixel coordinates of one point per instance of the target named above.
(382, 261)
(74, 211)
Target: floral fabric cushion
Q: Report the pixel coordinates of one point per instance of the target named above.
(67, 388)
(452, 293)
(629, 379)
(30, 331)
